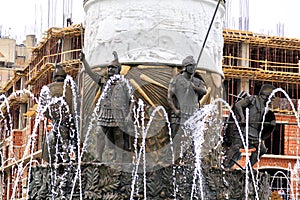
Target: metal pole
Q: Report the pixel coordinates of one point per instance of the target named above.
(204, 42)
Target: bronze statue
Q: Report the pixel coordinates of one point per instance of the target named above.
(113, 112)
(232, 140)
(60, 145)
(185, 91)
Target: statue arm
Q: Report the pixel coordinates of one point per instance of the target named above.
(131, 102)
(96, 77)
(171, 97)
(200, 88)
(240, 106)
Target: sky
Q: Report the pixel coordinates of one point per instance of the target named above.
(19, 18)
(264, 15)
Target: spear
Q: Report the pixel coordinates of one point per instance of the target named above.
(204, 42)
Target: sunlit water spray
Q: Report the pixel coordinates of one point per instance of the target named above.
(90, 127)
(140, 153)
(196, 127)
(296, 114)
(286, 178)
(9, 131)
(42, 107)
(205, 116)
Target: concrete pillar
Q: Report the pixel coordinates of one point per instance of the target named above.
(30, 42)
(8, 184)
(245, 55)
(21, 116)
(66, 46)
(243, 85)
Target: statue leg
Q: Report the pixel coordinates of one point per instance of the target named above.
(175, 125)
(256, 155)
(66, 144)
(183, 145)
(100, 142)
(119, 144)
(233, 154)
(48, 150)
(62, 144)
(109, 152)
(126, 139)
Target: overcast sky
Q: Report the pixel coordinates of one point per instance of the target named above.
(264, 15)
(21, 17)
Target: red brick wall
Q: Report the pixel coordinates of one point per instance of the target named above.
(276, 162)
(291, 134)
(17, 138)
(270, 163)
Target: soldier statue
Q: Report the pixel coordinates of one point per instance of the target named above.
(185, 91)
(113, 112)
(257, 113)
(60, 144)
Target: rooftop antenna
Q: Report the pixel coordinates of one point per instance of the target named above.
(35, 18)
(48, 13)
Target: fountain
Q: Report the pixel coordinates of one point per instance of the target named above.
(170, 155)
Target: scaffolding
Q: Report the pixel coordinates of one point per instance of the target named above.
(260, 40)
(260, 59)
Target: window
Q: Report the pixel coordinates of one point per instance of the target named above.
(275, 143)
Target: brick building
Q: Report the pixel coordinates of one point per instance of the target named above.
(21, 136)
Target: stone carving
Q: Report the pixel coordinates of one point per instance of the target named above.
(153, 31)
(97, 182)
(257, 109)
(102, 182)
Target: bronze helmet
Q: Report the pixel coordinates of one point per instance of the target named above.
(189, 60)
(266, 89)
(115, 62)
(59, 73)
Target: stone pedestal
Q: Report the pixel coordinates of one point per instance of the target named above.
(100, 181)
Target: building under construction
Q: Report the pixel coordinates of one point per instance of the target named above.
(249, 60)
(61, 45)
